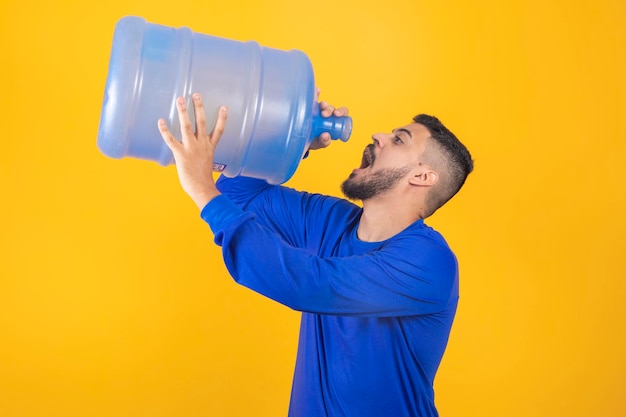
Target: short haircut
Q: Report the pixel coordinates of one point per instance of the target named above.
(449, 157)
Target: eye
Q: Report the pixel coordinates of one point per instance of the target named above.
(398, 140)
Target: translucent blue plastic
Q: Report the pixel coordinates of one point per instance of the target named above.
(271, 96)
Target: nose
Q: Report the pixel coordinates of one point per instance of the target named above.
(381, 139)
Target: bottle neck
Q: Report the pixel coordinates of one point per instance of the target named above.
(339, 127)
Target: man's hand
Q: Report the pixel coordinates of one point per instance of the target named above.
(194, 155)
(326, 110)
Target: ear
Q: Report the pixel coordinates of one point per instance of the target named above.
(424, 178)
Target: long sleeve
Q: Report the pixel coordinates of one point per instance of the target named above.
(301, 219)
(411, 274)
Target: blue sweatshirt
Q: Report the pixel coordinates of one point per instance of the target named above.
(376, 316)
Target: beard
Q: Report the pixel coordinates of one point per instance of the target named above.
(372, 184)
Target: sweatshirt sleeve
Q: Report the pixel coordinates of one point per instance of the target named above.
(242, 190)
(293, 215)
(405, 277)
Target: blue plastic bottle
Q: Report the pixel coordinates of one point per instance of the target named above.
(271, 96)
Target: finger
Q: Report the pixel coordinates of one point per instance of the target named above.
(321, 141)
(327, 110)
(167, 136)
(200, 115)
(325, 139)
(220, 124)
(341, 111)
(183, 116)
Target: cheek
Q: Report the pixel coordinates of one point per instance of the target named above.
(399, 160)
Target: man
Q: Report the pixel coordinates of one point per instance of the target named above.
(377, 288)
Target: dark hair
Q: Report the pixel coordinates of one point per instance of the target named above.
(456, 161)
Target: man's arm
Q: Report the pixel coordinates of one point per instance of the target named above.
(411, 275)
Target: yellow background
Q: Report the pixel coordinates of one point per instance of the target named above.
(114, 300)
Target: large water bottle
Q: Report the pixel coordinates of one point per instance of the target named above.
(271, 96)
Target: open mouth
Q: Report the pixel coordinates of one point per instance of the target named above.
(368, 157)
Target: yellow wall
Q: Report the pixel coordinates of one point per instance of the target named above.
(115, 302)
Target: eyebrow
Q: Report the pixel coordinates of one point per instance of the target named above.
(401, 129)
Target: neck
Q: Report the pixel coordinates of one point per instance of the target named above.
(385, 216)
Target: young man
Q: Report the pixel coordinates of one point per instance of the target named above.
(378, 289)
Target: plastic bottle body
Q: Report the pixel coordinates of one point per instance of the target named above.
(270, 94)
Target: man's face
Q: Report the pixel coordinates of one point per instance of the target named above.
(386, 162)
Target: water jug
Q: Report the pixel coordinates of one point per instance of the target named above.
(271, 97)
